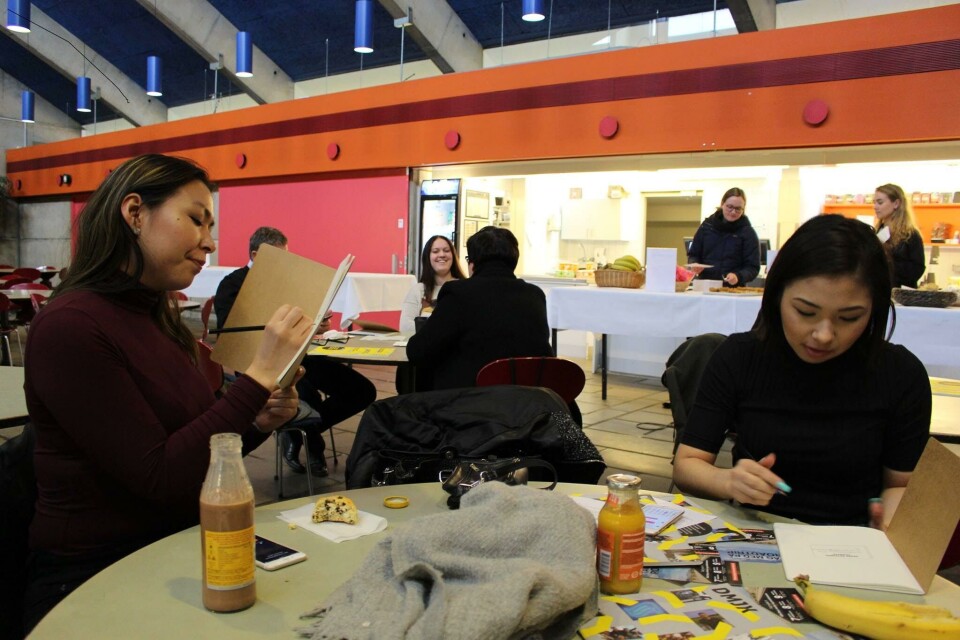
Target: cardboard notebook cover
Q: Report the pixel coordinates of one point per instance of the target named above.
(905, 558)
(277, 277)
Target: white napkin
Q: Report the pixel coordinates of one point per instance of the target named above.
(334, 531)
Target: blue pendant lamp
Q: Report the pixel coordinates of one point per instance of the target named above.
(26, 106)
(18, 15)
(154, 76)
(83, 94)
(533, 10)
(363, 27)
(244, 55)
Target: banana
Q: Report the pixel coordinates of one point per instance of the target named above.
(879, 620)
(628, 261)
(621, 267)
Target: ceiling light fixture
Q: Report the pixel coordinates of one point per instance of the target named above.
(363, 27)
(18, 15)
(244, 55)
(533, 10)
(83, 94)
(26, 106)
(154, 76)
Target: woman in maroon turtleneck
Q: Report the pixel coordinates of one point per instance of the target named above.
(122, 415)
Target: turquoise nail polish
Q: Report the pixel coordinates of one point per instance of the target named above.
(783, 486)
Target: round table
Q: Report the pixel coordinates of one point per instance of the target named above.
(155, 592)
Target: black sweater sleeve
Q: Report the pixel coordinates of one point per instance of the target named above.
(909, 261)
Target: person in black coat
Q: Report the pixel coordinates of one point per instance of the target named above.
(727, 243)
(489, 316)
(347, 392)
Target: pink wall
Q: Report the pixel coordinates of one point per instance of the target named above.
(323, 219)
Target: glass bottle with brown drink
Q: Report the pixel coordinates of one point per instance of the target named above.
(226, 528)
(620, 536)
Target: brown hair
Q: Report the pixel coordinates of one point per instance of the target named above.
(428, 275)
(107, 246)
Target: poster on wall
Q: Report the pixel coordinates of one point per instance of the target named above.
(469, 228)
(477, 205)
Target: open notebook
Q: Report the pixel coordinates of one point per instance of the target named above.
(278, 277)
(904, 559)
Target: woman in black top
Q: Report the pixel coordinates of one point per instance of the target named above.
(830, 418)
(727, 243)
(898, 231)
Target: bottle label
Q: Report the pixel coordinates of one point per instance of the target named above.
(629, 564)
(229, 559)
(631, 555)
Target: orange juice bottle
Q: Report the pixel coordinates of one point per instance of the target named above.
(620, 536)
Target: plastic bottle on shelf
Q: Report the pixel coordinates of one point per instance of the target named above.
(226, 528)
(620, 536)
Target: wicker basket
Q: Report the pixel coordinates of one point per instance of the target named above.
(615, 278)
(919, 298)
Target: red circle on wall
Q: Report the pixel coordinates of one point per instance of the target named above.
(451, 140)
(609, 126)
(333, 151)
(241, 160)
(815, 112)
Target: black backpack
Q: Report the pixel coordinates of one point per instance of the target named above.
(430, 431)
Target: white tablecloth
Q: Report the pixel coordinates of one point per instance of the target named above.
(371, 292)
(933, 335)
(636, 312)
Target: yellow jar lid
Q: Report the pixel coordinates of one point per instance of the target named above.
(395, 502)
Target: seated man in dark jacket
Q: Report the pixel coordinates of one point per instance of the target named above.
(488, 316)
(347, 392)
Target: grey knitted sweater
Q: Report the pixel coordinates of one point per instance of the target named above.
(511, 563)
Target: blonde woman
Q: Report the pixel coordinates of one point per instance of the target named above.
(897, 229)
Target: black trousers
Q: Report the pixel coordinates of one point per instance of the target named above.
(347, 393)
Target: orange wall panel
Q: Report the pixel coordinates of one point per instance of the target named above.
(736, 92)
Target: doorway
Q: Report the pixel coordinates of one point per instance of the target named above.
(670, 219)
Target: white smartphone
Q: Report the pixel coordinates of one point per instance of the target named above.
(272, 555)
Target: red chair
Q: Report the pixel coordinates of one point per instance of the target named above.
(205, 317)
(212, 371)
(10, 281)
(6, 266)
(30, 285)
(29, 273)
(177, 295)
(564, 377)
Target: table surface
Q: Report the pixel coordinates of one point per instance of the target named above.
(381, 349)
(933, 335)
(945, 418)
(24, 294)
(156, 593)
(13, 404)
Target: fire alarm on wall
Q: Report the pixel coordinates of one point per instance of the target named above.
(615, 192)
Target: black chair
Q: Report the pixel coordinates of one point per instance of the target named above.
(685, 367)
(18, 493)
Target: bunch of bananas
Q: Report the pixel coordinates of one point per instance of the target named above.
(878, 620)
(626, 263)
